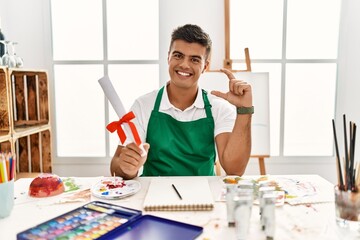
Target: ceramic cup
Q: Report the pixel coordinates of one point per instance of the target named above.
(6, 198)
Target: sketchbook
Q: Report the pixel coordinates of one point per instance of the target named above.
(194, 194)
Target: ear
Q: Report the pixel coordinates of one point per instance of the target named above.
(207, 64)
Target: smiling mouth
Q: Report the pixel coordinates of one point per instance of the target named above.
(184, 74)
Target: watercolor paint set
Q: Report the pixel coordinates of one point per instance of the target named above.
(100, 220)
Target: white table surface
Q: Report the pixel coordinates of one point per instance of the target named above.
(308, 221)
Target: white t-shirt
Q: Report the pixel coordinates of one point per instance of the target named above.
(223, 112)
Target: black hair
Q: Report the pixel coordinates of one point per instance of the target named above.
(192, 34)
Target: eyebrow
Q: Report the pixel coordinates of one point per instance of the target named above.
(193, 56)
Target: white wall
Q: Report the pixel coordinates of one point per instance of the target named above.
(174, 13)
(349, 63)
(348, 88)
(30, 24)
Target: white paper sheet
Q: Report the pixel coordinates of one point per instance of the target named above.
(111, 94)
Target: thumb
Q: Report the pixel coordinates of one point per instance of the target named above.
(146, 147)
(219, 94)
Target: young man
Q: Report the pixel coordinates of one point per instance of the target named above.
(181, 124)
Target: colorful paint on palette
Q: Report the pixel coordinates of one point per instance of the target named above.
(102, 221)
(115, 188)
(86, 223)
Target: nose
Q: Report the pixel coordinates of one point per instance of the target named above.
(185, 63)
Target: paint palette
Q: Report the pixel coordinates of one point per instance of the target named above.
(100, 220)
(92, 221)
(115, 188)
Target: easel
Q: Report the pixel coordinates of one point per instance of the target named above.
(228, 65)
(261, 158)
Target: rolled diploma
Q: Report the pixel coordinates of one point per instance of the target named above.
(116, 103)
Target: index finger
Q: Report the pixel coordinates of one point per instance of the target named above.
(228, 73)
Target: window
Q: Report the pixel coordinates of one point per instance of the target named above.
(300, 54)
(101, 42)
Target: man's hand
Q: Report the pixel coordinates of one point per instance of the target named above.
(240, 93)
(128, 160)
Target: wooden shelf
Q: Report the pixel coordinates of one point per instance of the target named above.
(34, 152)
(6, 145)
(22, 132)
(4, 137)
(4, 103)
(25, 118)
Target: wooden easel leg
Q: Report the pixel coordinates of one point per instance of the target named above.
(262, 166)
(247, 60)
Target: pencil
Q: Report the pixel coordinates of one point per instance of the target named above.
(10, 168)
(1, 173)
(176, 191)
(7, 168)
(3, 170)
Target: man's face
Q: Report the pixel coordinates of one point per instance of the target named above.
(186, 63)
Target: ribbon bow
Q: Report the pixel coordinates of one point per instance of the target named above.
(116, 125)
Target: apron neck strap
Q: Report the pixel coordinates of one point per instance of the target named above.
(204, 95)
(206, 104)
(158, 99)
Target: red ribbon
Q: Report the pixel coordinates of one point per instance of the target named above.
(116, 125)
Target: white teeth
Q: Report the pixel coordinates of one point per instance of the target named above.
(184, 74)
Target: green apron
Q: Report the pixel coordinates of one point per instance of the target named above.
(180, 148)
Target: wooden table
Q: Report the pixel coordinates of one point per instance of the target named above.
(307, 221)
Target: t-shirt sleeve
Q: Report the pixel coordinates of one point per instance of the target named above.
(224, 116)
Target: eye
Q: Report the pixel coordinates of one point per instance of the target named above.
(177, 56)
(195, 60)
